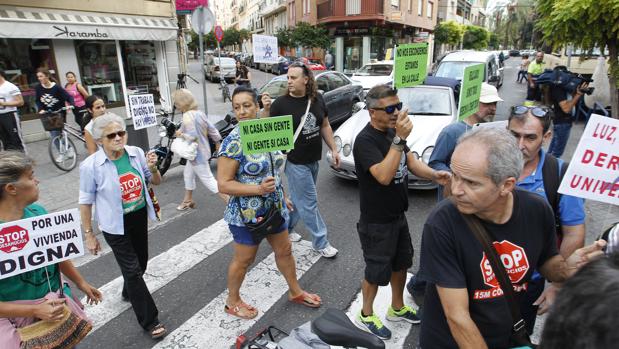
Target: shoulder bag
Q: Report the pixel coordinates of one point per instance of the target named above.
(62, 334)
(303, 120)
(184, 148)
(267, 224)
(519, 336)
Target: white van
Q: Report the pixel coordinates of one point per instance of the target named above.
(453, 64)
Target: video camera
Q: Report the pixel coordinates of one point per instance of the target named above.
(563, 78)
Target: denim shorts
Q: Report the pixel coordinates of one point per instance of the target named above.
(243, 236)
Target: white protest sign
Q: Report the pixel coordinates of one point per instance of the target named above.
(35, 242)
(594, 169)
(265, 48)
(142, 108)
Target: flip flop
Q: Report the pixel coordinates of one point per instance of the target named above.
(236, 310)
(158, 331)
(314, 302)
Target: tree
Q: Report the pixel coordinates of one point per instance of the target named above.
(284, 37)
(209, 41)
(587, 24)
(309, 36)
(448, 33)
(231, 37)
(493, 41)
(475, 38)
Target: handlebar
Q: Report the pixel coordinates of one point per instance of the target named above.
(57, 111)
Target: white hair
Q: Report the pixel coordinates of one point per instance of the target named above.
(101, 122)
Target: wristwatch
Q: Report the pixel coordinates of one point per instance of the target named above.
(399, 141)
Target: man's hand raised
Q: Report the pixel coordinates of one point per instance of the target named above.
(403, 125)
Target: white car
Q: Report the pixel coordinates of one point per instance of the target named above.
(430, 109)
(213, 69)
(373, 74)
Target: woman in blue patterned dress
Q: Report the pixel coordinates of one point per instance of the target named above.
(253, 183)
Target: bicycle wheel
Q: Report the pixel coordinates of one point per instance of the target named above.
(63, 153)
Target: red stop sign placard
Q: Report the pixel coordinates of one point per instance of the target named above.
(513, 258)
(219, 33)
(13, 238)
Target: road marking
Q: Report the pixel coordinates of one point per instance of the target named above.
(263, 286)
(161, 270)
(399, 330)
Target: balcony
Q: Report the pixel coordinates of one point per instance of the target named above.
(274, 8)
(350, 10)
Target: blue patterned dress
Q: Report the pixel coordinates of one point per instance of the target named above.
(252, 170)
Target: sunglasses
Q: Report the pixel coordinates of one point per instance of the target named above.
(391, 108)
(120, 134)
(535, 111)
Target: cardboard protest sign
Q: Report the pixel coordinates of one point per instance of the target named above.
(35, 242)
(594, 170)
(411, 64)
(142, 109)
(267, 134)
(265, 48)
(470, 90)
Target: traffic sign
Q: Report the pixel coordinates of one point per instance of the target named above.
(202, 20)
(219, 33)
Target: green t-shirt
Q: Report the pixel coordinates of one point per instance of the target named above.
(131, 185)
(31, 284)
(536, 68)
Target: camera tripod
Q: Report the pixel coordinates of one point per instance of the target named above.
(182, 81)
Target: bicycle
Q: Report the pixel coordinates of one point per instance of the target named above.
(61, 148)
(225, 91)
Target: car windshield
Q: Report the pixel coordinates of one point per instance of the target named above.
(429, 101)
(453, 70)
(275, 88)
(225, 61)
(375, 70)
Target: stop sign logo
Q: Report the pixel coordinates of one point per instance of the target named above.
(513, 258)
(13, 238)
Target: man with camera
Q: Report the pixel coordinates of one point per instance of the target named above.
(382, 161)
(562, 104)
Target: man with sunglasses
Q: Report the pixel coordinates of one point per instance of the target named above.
(382, 162)
(302, 164)
(542, 174)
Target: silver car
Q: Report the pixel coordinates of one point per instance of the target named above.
(213, 69)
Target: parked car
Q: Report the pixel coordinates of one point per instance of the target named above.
(452, 66)
(282, 65)
(430, 108)
(248, 60)
(514, 53)
(373, 74)
(339, 92)
(313, 63)
(213, 69)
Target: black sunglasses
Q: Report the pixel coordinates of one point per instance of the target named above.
(111, 136)
(391, 108)
(535, 111)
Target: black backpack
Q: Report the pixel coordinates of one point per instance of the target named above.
(553, 175)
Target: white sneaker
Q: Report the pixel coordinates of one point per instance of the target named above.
(294, 237)
(60, 158)
(327, 252)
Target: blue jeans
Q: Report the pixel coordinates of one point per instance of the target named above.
(302, 190)
(54, 134)
(560, 135)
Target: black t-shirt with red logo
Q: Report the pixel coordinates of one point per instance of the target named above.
(453, 258)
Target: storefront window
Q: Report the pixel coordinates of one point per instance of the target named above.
(20, 59)
(379, 46)
(99, 70)
(352, 54)
(140, 67)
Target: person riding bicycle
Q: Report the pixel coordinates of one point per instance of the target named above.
(243, 76)
(51, 97)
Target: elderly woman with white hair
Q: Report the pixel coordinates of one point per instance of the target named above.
(116, 179)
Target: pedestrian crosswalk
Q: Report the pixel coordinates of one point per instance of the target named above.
(209, 326)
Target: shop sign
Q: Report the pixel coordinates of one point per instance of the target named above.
(396, 15)
(264, 48)
(352, 31)
(266, 134)
(35, 242)
(470, 90)
(185, 7)
(411, 64)
(142, 109)
(63, 32)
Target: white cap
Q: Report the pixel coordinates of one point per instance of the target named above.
(489, 94)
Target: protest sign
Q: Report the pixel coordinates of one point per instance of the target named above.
(265, 48)
(470, 90)
(142, 109)
(35, 242)
(267, 134)
(411, 64)
(594, 170)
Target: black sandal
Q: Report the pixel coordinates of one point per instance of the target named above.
(158, 331)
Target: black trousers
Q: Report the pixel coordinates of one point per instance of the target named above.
(527, 309)
(131, 252)
(9, 132)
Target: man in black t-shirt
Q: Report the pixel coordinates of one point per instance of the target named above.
(382, 161)
(464, 304)
(302, 164)
(562, 122)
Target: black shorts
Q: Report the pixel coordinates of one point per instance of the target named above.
(386, 247)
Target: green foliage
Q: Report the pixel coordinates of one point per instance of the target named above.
(244, 34)
(209, 41)
(448, 33)
(475, 38)
(493, 41)
(284, 37)
(307, 35)
(231, 37)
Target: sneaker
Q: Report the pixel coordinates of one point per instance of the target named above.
(373, 325)
(60, 158)
(327, 252)
(294, 237)
(405, 314)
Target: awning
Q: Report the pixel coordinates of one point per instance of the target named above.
(32, 23)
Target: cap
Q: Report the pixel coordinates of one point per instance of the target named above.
(489, 94)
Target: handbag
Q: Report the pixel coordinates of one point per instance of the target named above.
(267, 224)
(519, 336)
(184, 149)
(62, 334)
